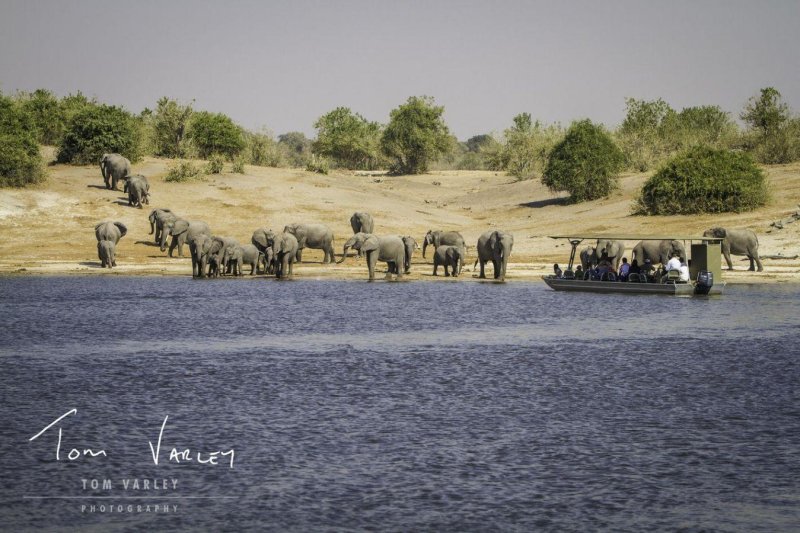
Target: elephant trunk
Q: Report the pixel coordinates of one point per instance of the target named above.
(344, 255)
(163, 244)
(424, 247)
(152, 227)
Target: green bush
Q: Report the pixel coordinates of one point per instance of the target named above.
(47, 114)
(183, 171)
(99, 129)
(585, 163)
(215, 164)
(296, 147)
(704, 180)
(773, 136)
(20, 161)
(215, 133)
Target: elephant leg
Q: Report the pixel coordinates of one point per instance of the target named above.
(728, 260)
(758, 262)
(372, 260)
(172, 244)
(483, 272)
(435, 267)
(446, 273)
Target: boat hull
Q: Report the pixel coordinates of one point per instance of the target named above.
(625, 287)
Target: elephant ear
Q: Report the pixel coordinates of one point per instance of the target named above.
(180, 226)
(123, 229)
(370, 243)
(97, 227)
(259, 239)
(720, 232)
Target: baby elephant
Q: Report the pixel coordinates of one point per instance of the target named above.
(448, 256)
(107, 253)
(244, 255)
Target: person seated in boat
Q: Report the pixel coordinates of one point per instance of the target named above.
(684, 270)
(674, 263)
(624, 269)
(604, 268)
(634, 268)
(579, 272)
(557, 271)
(648, 270)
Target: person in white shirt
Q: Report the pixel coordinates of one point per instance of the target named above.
(673, 264)
(684, 270)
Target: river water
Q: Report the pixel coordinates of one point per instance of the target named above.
(397, 406)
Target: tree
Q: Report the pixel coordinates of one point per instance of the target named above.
(98, 129)
(527, 145)
(704, 180)
(46, 113)
(215, 133)
(585, 163)
(20, 161)
(348, 139)
(297, 148)
(641, 132)
(415, 136)
(170, 121)
(773, 132)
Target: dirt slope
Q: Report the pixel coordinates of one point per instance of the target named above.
(49, 229)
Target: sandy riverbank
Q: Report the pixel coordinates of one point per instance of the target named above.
(49, 229)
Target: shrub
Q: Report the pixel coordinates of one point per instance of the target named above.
(262, 150)
(182, 171)
(215, 133)
(416, 134)
(238, 165)
(348, 139)
(99, 129)
(319, 165)
(704, 180)
(585, 163)
(20, 161)
(215, 164)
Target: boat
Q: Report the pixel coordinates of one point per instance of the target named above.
(705, 270)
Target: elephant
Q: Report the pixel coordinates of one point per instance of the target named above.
(107, 253)
(285, 248)
(737, 242)
(138, 190)
(244, 255)
(262, 239)
(658, 251)
(181, 231)
(110, 231)
(225, 252)
(390, 250)
(614, 251)
(494, 246)
(213, 267)
(448, 256)
(318, 236)
(362, 223)
(410, 245)
(200, 248)
(157, 218)
(114, 167)
(588, 258)
(438, 238)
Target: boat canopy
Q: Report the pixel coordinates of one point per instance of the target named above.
(624, 237)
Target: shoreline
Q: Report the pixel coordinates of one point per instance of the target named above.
(421, 272)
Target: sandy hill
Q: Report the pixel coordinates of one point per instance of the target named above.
(49, 229)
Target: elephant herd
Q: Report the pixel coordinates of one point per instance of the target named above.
(736, 242)
(114, 168)
(274, 253)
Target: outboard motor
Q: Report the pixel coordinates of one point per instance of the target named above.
(705, 280)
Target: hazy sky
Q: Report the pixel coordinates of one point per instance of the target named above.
(282, 64)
